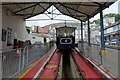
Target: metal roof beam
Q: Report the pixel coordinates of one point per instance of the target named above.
(68, 15)
(18, 7)
(33, 10)
(68, 10)
(97, 3)
(47, 13)
(80, 4)
(17, 3)
(25, 8)
(44, 10)
(38, 13)
(74, 9)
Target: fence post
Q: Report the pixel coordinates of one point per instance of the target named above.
(27, 55)
(1, 65)
(20, 60)
(23, 59)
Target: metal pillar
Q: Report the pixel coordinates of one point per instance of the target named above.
(102, 32)
(82, 47)
(101, 28)
(88, 31)
(81, 31)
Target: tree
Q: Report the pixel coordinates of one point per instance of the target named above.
(117, 18)
(97, 21)
(110, 15)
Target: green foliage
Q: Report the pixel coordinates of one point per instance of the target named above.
(117, 17)
(97, 21)
(110, 15)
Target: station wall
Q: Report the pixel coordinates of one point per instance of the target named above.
(16, 26)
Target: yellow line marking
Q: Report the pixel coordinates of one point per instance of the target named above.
(51, 66)
(30, 68)
(27, 70)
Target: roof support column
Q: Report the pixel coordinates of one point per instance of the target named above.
(81, 31)
(101, 27)
(82, 46)
(88, 31)
(102, 31)
(89, 46)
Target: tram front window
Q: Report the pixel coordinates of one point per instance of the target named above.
(65, 34)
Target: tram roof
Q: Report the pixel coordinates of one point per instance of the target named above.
(77, 10)
(65, 27)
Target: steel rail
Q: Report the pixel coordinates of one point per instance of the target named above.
(40, 70)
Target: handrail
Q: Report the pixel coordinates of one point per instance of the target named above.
(106, 46)
(11, 50)
(3, 51)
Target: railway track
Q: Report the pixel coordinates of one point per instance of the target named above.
(52, 66)
(86, 70)
(66, 64)
(59, 65)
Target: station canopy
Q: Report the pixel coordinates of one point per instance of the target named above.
(78, 10)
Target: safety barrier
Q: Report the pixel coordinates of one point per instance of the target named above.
(11, 64)
(17, 60)
(107, 58)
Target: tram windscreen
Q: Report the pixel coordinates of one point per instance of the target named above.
(64, 32)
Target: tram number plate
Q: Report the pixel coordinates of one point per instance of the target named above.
(65, 40)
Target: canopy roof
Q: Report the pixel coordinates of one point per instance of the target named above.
(77, 10)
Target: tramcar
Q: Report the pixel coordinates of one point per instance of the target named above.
(65, 37)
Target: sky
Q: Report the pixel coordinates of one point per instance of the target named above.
(112, 9)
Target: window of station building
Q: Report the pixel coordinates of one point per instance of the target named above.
(119, 27)
(115, 28)
(117, 36)
(110, 30)
(105, 31)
